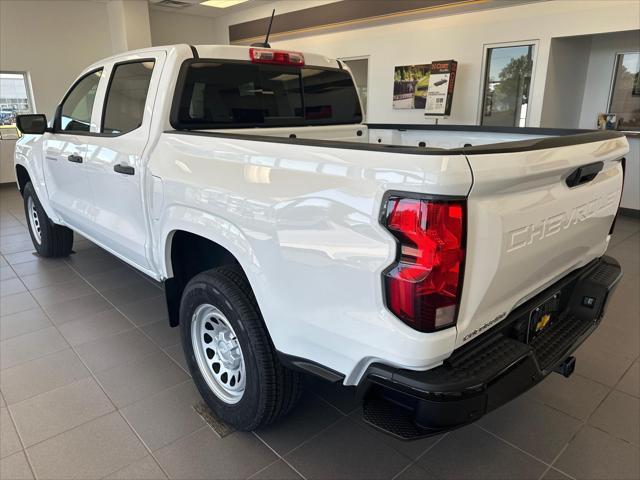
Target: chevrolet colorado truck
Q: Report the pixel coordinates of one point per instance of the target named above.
(443, 270)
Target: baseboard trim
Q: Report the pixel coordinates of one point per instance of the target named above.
(630, 212)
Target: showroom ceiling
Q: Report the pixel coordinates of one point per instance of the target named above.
(196, 7)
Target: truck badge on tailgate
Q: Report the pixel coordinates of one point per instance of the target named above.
(525, 236)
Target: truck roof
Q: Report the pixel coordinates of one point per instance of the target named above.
(222, 52)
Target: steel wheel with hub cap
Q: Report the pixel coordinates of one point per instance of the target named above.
(229, 352)
(49, 239)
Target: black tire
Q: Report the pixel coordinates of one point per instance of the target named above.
(55, 240)
(271, 390)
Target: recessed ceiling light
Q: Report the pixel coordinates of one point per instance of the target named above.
(222, 3)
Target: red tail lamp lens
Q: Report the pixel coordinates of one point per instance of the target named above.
(423, 287)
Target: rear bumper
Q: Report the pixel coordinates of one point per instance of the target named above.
(494, 368)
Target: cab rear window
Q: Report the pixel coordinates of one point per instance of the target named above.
(240, 94)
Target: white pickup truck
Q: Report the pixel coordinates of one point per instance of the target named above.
(441, 269)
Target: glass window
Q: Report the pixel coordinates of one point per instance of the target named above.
(506, 86)
(78, 105)
(625, 93)
(218, 95)
(126, 97)
(14, 100)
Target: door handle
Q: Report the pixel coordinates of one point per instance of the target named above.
(75, 158)
(584, 174)
(124, 169)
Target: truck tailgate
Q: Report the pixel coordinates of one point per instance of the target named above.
(527, 227)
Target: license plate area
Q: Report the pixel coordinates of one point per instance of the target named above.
(543, 316)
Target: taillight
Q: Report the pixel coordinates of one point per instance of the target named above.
(279, 57)
(423, 287)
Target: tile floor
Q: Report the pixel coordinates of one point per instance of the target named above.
(93, 385)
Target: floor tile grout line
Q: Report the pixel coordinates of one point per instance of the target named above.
(98, 383)
(264, 468)
(312, 437)
(139, 437)
(513, 445)
(583, 422)
(136, 327)
(153, 342)
(558, 455)
(407, 467)
(24, 449)
(281, 457)
(429, 448)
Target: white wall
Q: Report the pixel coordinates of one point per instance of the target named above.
(460, 37)
(600, 73)
(168, 28)
(53, 42)
(601, 60)
(565, 83)
(129, 24)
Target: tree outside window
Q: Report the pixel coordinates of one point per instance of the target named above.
(625, 92)
(507, 85)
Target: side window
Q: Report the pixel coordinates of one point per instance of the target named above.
(77, 106)
(126, 97)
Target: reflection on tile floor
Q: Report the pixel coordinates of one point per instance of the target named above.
(93, 385)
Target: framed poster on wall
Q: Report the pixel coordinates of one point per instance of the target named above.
(410, 86)
(442, 80)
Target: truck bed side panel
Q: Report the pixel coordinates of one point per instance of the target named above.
(303, 221)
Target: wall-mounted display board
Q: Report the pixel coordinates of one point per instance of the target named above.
(410, 84)
(442, 81)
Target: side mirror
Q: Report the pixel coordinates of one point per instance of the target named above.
(35, 124)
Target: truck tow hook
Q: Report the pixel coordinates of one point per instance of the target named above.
(567, 367)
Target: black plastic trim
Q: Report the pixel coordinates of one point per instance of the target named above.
(313, 142)
(124, 169)
(561, 138)
(584, 174)
(480, 128)
(491, 369)
(567, 140)
(308, 366)
(194, 51)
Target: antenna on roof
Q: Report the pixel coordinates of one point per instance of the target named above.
(266, 40)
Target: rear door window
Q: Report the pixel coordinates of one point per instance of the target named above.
(127, 96)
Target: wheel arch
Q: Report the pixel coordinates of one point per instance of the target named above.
(22, 177)
(186, 254)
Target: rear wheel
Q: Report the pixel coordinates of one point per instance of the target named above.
(49, 239)
(232, 360)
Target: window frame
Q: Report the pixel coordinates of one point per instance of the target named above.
(26, 76)
(483, 75)
(58, 115)
(616, 62)
(112, 72)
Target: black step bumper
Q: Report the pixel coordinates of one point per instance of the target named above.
(495, 367)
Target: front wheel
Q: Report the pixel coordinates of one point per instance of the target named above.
(230, 355)
(49, 239)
